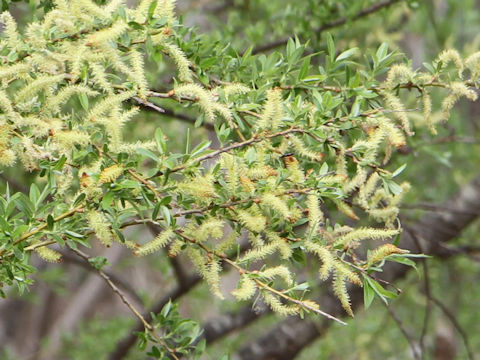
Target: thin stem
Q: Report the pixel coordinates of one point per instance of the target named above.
(124, 299)
(45, 225)
(404, 331)
(336, 23)
(456, 324)
(261, 284)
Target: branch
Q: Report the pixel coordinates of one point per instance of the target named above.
(289, 337)
(455, 323)
(124, 345)
(336, 23)
(151, 107)
(146, 324)
(187, 284)
(123, 284)
(404, 331)
(87, 294)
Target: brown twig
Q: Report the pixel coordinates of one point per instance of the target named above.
(457, 326)
(404, 331)
(428, 293)
(45, 225)
(124, 299)
(336, 23)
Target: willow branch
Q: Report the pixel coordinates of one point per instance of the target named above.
(124, 299)
(336, 23)
(431, 231)
(455, 323)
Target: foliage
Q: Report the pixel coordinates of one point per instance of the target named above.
(298, 133)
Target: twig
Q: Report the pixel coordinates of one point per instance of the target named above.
(455, 323)
(404, 331)
(336, 23)
(117, 291)
(428, 293)
(436, 207)
(255, 139)
(113, 277)
(259, 283)
(124, 345)
(44, 226)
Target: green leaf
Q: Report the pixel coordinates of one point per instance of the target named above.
(83, 101)
(330, 46)
(304, 68)
(155, 211)
(74, 234)
(399, 170)
(50, 222)
(167, 216)
(79, 199)
(98, 262)
(149, 154)
(200, 148)
(382, 52)
(155, 352)
(151, 8)
(368, 293)
(25, 205)
(160, 140)
(346, 54)
(314, 78)
(107, 200)
(34, 194)
(166, 309)
(395, 188)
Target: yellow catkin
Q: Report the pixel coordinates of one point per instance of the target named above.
(252, 219)
(324, 255)
(281, 244)
(212, 277)
(160, 241)
(102, 36)
(367, 189)
(110, 174)
(398, 110)
(201, 187)
(211, 228)
(473, 63)
(272, 111)
(277, 306)
(315, 215)
(280, 271)
(457, 90)
(346, 209)
(246, 289)
(138, 75)
(278, 205)
(427, 112)
(101, 227)
(351, 276)
(204, 98)
(451, 56)
(258, 253)
(364, 233)
(398, 74)
(181, 61)
(229, 164)
(382, 252)
(340, 291)
(48, 254)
